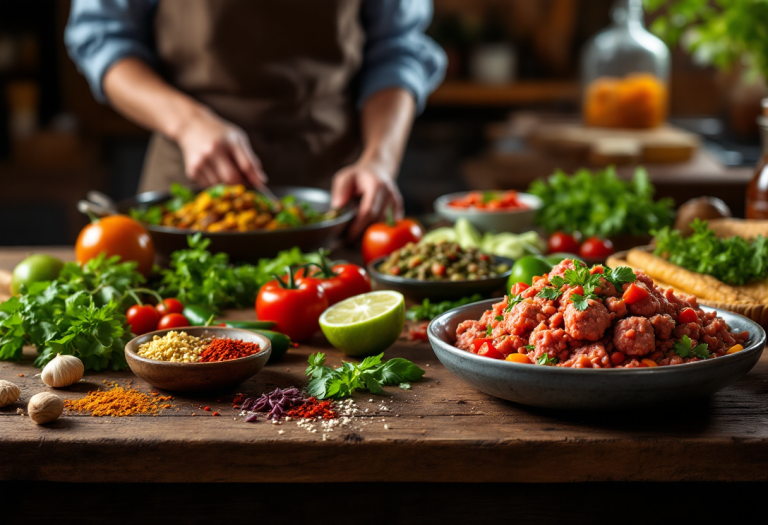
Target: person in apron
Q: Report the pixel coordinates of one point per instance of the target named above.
(307, 92)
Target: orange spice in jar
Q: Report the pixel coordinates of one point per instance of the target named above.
(636, 101)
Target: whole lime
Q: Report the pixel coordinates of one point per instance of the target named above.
(526, 268)
(33, 269)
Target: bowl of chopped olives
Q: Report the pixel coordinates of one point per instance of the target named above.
(440, 271)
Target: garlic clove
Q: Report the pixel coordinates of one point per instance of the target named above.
(45, 407)
(62, 371)
(9, 393)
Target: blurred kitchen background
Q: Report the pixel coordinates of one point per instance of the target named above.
(506, 114)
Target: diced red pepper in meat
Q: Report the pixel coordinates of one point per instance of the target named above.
(578, 290)
(488, 350)
(596, 269)
(634, 294)
(478, 343)
(687, 315)
(519, 288)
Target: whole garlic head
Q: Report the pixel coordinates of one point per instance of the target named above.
(9, 393)
(63, 370)
(45, 407)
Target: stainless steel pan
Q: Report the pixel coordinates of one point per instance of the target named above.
(241, 246)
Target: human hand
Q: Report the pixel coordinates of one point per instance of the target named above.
(376, 188)
(216, 151)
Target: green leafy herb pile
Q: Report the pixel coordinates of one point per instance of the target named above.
(81, 314)
(372, 374)
(197, 276)
(734, 261)
(427, 311)
(600, 203)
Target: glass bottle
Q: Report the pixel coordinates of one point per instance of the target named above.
(757, 190)
(625, 71)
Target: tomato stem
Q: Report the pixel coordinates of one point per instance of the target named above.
(291, 284)
(390, 217)
(326, 270)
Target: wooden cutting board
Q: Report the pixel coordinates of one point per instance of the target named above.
(603, 146)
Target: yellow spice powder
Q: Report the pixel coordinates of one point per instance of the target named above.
(117, 402)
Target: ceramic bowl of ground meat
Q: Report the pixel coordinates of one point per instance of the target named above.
(596, 338)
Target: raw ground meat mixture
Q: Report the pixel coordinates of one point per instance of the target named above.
(608, 333)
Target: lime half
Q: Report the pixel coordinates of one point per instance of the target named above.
(365, 324)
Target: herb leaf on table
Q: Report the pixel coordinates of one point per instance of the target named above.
(371, 374)
(427, 311)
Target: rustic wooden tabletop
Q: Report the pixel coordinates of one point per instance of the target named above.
(441, 430)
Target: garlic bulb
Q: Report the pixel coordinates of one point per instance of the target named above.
(45, 407)
(63, 370)
(9, 393)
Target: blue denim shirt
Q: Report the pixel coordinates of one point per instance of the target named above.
(397, 52)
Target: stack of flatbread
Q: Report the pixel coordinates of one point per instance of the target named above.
(750, 300)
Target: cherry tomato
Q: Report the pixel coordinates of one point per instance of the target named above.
(687, 315)
(340, 281)
(170, 306)
(562, 242)
(142, 318)
(383, 238)
(634, 294)
(172, 321)
(295, 305)
(117, 235)
(596, 248)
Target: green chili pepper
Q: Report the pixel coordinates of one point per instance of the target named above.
(248, 325)
(280, 344)
(198, 315)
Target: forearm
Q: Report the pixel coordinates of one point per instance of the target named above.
(136, 91)
(387, 117)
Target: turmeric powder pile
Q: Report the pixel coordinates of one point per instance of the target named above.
(117, 402)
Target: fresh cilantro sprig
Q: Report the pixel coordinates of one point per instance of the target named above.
(685, 347)
(530, 347)
(427, 311)
(581, 302)
(514, 301)
(488, 330)
(371, 374)
(549, 293)
(619, 276)
(197, 276)
(545, 360)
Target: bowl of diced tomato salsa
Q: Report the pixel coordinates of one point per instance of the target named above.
(492, 211)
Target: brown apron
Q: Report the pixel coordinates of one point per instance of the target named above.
(283, 70)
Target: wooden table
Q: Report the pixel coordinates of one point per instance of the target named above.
(440, 431)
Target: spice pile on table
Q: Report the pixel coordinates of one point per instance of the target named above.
(180, 347)
(118, 402)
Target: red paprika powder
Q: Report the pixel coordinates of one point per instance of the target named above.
(225, 349)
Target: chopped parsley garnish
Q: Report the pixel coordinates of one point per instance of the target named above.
(488, 330)
(499, 317)
(549, 293)
(514, 301)
(619, 276)
(683, 348)
(545, 360)
(530, 347)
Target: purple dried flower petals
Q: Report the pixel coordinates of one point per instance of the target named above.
(275, 403)
(252, 417)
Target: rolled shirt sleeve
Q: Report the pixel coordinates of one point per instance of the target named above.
(397, 52)
(101, 32)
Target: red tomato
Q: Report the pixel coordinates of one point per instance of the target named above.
(596, 248)
(384, 238)
(295, 306)
(597, 269)
(687, 315)
(560, 242)
(172, 321)
(117, 235)
(142, 318)
(340, 281)
(170, 306)
(578, 290)
(634, 294)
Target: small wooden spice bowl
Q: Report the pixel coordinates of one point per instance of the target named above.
(199, 377)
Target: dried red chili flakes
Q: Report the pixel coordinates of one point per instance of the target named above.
(313, 409)
(226, 349)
